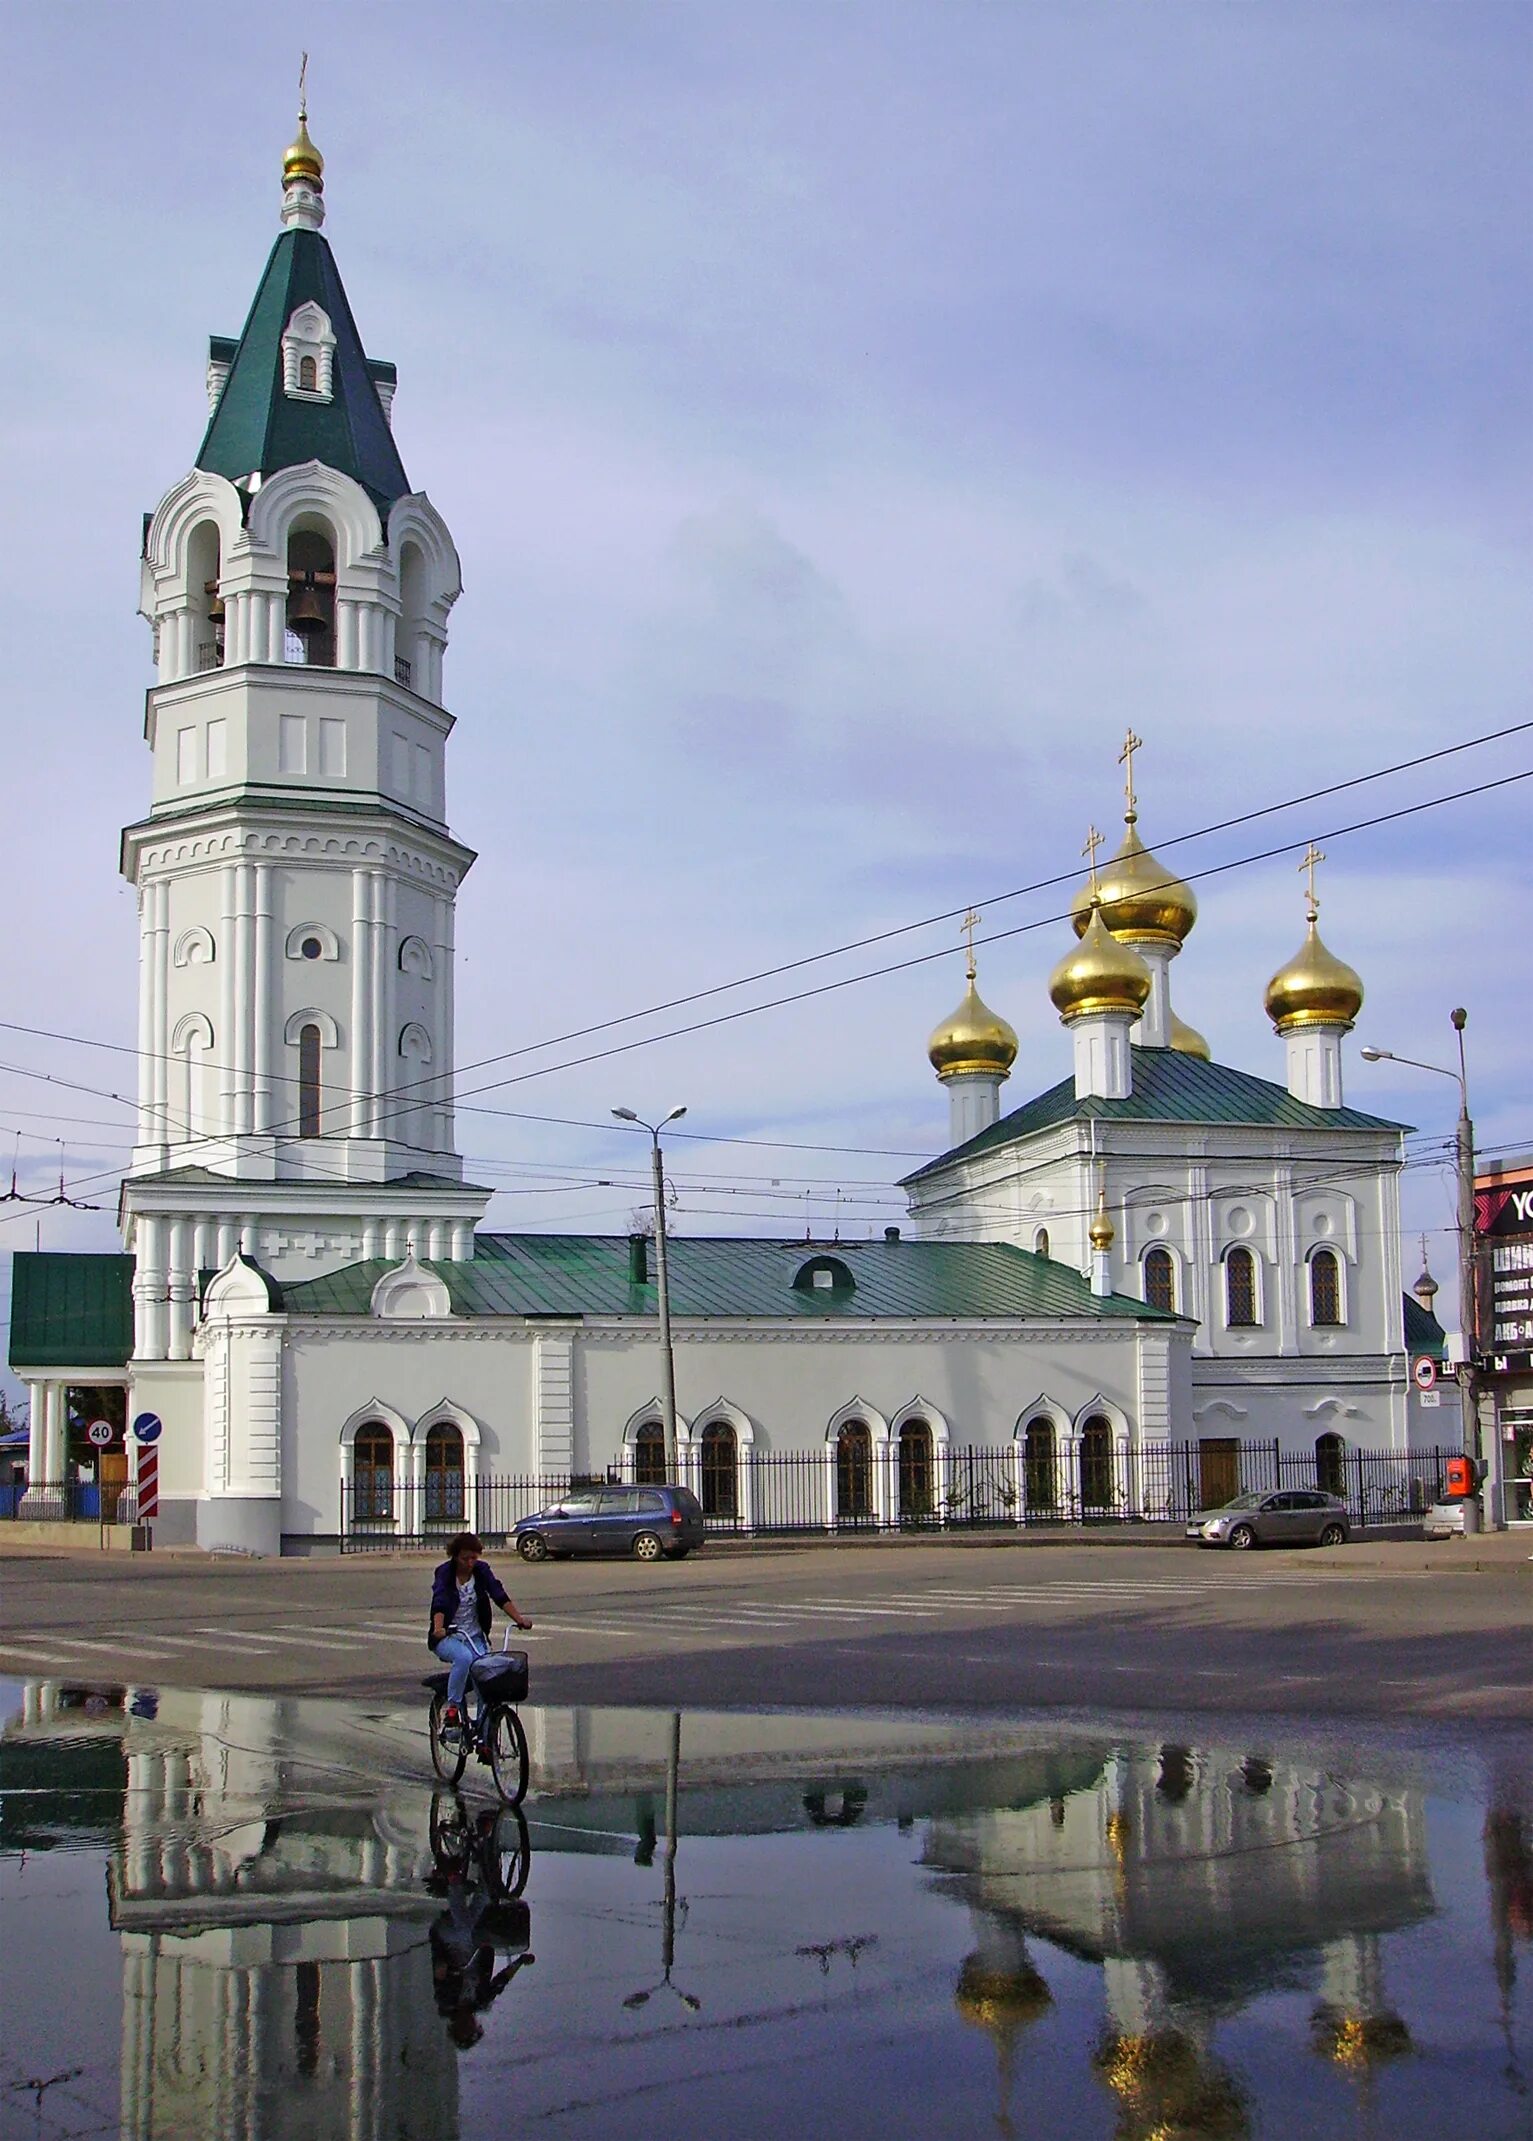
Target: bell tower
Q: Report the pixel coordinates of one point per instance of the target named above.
(295, 873)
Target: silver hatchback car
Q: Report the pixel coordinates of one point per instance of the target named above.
(1294, 1516)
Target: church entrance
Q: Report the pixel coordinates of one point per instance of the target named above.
(854, 1474)
(1218, 1470)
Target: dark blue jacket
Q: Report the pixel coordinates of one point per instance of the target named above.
(444, 1595)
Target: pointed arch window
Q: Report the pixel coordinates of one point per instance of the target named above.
(917, 1473)
(649, 1455)
(1096, 1463)
(1324, 1289)
(444, 1474)
(372, 1473)
(720, 1471)
(854, 1473)
(1040, 1477)
(1240, 1307)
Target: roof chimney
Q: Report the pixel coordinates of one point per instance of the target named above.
(891, 1233)
(638, 1259)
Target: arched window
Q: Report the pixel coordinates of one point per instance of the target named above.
(1324, 1288)
(854, 1474)
(308, 374)
(310, 1047)
(649, 1455)
(1240, 1289)
(1160, 1278)
(917, 1473)
(1096, 1463)
(1040, 1477)
(720, 1472)
(1330, 1465)
(444, 1474)
(372, 1473)
(1041, 1242)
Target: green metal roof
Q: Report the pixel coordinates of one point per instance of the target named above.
(1168, 1087)
(71, 1311)
(257, 427)
(1423, 1332)
(587, 1275)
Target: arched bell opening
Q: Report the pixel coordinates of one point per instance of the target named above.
(205, 606)
(309, 636)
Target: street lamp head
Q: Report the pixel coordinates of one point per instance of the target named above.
(1460, 1019)
(1376, 1055)
(625, 1115)
(674, 1117)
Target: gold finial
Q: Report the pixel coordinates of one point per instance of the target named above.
(303, 161)
(966, 929)
(1312, 855)
(1102, 1230)
(1093, 842)
(1131, 744)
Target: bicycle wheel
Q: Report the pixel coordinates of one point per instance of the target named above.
(449, 1758)
(508, 1754)
(509, 1858)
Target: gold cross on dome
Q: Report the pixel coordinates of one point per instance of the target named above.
(1312, 855)
(303, 99)
(966, 929)
(1131, 744)
(1093, 842)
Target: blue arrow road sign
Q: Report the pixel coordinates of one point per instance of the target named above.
(147, 1427)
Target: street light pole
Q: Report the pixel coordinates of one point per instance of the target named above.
(1469, 1320)
(662, 1288)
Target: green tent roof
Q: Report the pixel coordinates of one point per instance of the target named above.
(71, 1311)
(587, 1275)
(1423, 1332)
(258, 428)
(1168, 1087)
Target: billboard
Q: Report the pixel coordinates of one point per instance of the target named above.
(1503, 1224)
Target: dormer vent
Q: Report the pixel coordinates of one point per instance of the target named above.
(308, 355)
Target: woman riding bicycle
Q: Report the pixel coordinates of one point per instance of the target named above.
(461, 1593)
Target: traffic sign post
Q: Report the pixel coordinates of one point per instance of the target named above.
(100, 1433)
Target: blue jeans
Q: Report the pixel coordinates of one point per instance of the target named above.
(457, 1653)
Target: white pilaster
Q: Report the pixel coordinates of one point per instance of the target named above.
(974, 1103)
(1154, 1027)
(1314, 1065)
(265, 1003)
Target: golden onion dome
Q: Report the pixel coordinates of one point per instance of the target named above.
(1000, 2000)
(1187, 1040)
(1141, 899)
(974, 1039)
(1315, 988)
(1099, 974)
(302, 160)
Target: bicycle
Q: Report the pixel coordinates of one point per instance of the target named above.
(462, 1844)
(495, 1731)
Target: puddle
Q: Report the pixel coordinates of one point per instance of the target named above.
(230, 1915)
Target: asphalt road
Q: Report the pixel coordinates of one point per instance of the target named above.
(1389, 1631)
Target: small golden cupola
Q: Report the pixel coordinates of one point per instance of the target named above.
(1099, 989)
(1187, 1041)
(1312, 1002)
(303, 170)
(972, 1052)
(1314, 988)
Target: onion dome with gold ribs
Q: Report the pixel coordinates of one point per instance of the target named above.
(1187, 1040)
(1099, 974)
(974, 1040)
(1141, 899)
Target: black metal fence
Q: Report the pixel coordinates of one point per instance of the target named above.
(843, 1489)
(64, 1501)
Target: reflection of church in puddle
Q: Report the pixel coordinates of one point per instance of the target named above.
(277, 1976)
(1198, 1879)
(275, 1898)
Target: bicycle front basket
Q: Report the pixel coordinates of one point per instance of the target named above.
(502, 1677)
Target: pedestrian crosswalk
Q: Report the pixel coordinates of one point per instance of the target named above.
(673, 1619)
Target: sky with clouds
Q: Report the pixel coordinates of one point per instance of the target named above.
(851, 418)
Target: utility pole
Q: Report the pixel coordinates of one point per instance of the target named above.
(1468, 1289)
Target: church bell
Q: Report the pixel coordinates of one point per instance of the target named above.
(306, 614)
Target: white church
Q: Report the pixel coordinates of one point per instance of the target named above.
(1157, 1250)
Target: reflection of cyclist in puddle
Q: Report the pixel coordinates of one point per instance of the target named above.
(480, 1923)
